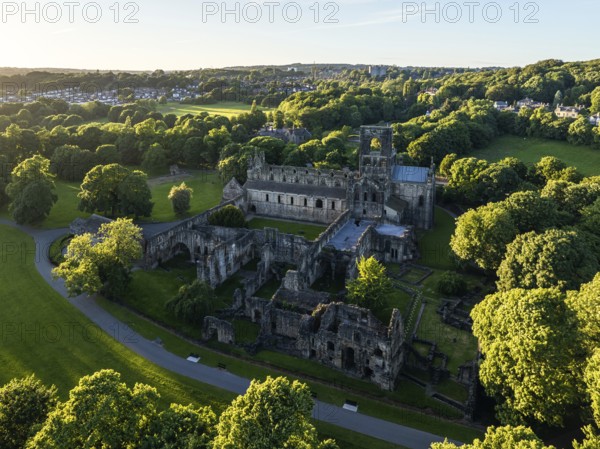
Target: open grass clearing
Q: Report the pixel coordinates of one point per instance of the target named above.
(306, 230)
(226, 108)
(531, 150)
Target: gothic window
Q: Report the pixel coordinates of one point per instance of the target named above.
(267, 198)
(292, 201)
(333, 205)
(305, 202)
(365, 197)
(279, 199)
(319, 204)
(330, 346)
(374, 197)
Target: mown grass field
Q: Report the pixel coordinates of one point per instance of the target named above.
(43, 334)
(531, 150)
(207, 187)
(434, 245)
(308, 231)
(226, 108)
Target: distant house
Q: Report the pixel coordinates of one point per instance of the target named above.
(433, 91)
(377, 71)
(501, 105)
(297, 135)
(289, 135)
(531, 104)
(595, 119)
(568, 111)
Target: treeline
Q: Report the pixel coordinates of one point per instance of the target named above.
(102, 411)
(455, 113)
(538, 333)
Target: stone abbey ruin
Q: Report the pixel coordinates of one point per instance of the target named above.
(371, 212)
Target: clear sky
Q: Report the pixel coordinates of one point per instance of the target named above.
(191, 34)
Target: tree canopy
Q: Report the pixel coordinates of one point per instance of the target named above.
(372, 285)
(533, 354)
(102, 263)
(272, 414)
(31, 191)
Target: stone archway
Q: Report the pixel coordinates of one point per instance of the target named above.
(181, 251)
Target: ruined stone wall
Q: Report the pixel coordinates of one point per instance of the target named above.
(223, 330)
(364, 248)
(277, 203)
(393, 249)
(286, 248)
(159, 248)
(344, 337)
(259, 170)
(421, 202)
(226, 260)
(309, 267)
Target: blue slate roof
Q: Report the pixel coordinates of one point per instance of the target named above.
(405, 173)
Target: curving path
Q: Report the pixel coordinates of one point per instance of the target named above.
(357, 422)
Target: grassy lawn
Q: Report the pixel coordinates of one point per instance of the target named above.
(43, 334)
(434, 245)
(268, 290)
(308, 231)
(350, 439)
(460, 346)
(531, 150)
(65, 210)
(226, 108)
(208, 190)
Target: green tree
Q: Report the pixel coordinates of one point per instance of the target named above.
(272, 414)
(71, 163)
(155, 158)
(451, 284)
(372, 286)
(482, 234)
(501, 438)
(496, 182)
(180, 197)
(135, 197)
(533, 354)
(193, 302)
(31, 191)
(102, 263)
(555, 258)
(103, 412)
(586, 303)
(447, 163)
(24, 404)
(229, 216)
(580, 132)
(532, 212)
(114, 189)
(108, 154)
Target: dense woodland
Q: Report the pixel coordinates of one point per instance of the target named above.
(534, 231)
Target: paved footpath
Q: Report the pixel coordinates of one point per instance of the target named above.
(357, 422)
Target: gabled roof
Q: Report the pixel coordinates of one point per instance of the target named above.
(297, 189)
(406, 173)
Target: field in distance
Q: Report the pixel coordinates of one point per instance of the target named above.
(226, 108)
(531, 150)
